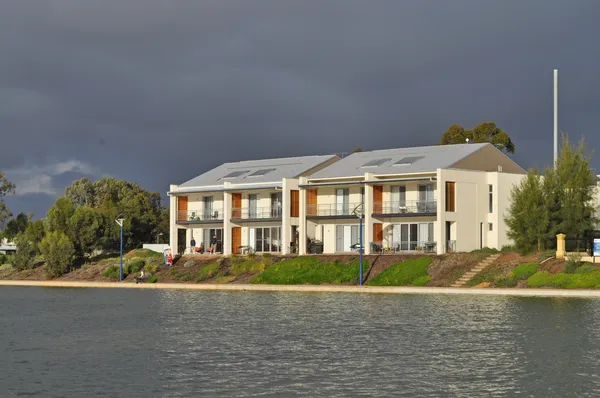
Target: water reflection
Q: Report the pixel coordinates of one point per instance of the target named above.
(239, 344)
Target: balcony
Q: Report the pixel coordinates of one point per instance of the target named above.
(256, 213)
(199, 216)
(409, 207)
(332, 210)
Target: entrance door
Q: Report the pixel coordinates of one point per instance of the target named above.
(236, 239)
(236, 205)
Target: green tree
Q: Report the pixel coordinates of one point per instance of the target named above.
(528, 218)
(16, 226)
(59, 216)
(577, 185)
(6, 188)
(24, 258)
(85, 228)
(483, 132)
(34, 233)
(58, 251)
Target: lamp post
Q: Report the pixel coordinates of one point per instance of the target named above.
(358, 211)
(119, 220)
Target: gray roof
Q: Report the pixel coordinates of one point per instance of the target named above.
(257, 171)
(399, 161)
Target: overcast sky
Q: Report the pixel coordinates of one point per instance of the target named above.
(158, 92)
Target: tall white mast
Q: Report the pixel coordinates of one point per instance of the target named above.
(555, 116)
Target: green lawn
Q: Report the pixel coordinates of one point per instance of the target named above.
(310, 270)
(410, 272)
(583, 278)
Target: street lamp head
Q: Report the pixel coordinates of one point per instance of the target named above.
(120, 218)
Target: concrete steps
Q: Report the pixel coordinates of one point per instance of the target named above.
(470, 274)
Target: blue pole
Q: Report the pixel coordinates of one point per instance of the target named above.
(121, 268)
(360, 281)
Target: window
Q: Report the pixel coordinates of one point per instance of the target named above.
(398, 197)
(208, 207)
(261, 172)
(490, 226)
(376, 162)
(342, 204)
(491, 198)
(408, 160)
(346, 237)
(265, 239)
(450, 196)
(295, 203)
(236, 174)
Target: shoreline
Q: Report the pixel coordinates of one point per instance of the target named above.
(522, 292)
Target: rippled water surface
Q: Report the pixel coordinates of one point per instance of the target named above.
(129, 343)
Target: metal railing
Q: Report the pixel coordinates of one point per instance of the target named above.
(413, 246)
(199, 215)
(409, 206)
(256, 213)
(450, 246)
(331, 210)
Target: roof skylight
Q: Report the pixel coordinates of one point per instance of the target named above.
(261, 172)
(236, 174)
(408, 160)
(376, 162)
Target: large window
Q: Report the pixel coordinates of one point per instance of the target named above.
(208, 235)
(342, 201)
(491, 198)
(266, 239)
(450, 196)
(208, 207)
(398, 196)
(253, 205)
(410, 236)
(346, 236)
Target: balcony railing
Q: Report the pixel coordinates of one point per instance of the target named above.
(406, 246)
(409, 206)
(331, 210)
(193, 216)
(256, 213)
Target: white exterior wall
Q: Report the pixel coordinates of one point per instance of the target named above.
(506, 182)
(173, 220)
(472, 208)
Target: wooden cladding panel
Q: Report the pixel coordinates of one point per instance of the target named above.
(377, 199)
(378, 232)
(182, 207)
(450, 196)
(236, 239)
(311, 195)
(295, 203)
(236, 205)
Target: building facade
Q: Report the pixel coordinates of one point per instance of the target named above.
(250, 205)
(428, 199)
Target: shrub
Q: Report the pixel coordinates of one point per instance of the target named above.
(586, 268)
(507, 248)
(58, 251)
(573, 262)
(524, 271)
(6, 267)
(505, 282)
(134, 266)
(25, 256)
(153, 279)
(112, 272)
(151, 268)
(409, 272)
(248, 266)
(251, 255)
(267, 255)
(2, 258)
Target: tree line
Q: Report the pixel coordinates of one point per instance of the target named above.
(82, 222)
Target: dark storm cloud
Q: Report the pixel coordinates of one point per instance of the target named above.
(157, 92)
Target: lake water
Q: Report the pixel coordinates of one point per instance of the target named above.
(146, 343)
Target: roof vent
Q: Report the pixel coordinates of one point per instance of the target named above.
(376, 162)
(408, 160)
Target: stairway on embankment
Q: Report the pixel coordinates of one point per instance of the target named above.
(467, 276)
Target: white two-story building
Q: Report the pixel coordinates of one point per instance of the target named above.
(436, 198)
(247, 205)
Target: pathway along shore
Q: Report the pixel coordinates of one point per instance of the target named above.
(529, 292)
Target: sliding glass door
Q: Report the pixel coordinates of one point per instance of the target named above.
(346, 236)
(267, 239)
(342, 201)
(409, 236)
